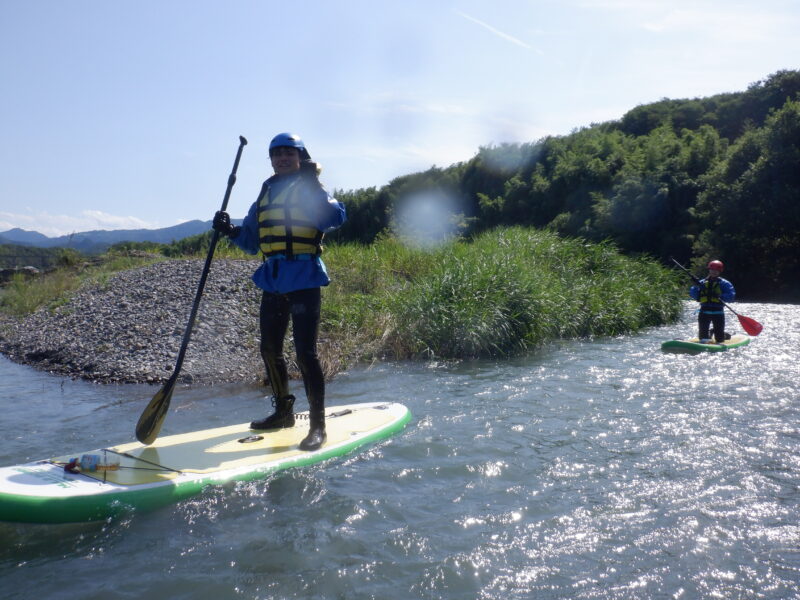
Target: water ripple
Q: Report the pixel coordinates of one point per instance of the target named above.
(597, 469)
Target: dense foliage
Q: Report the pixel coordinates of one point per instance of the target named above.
(694, 179)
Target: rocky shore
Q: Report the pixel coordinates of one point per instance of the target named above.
(129, 328)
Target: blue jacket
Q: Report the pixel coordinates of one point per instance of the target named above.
(278, 274)
(727, 294)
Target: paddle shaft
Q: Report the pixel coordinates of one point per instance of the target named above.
(207, 267)
(153, 415)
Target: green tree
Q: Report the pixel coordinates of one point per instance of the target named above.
(751, 211)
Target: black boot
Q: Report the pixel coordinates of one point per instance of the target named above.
(282, 417)
(316, 433)
(314, 440)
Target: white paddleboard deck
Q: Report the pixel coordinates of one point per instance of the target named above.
(177, 466)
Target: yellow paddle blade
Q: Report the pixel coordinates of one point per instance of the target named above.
(153, 415)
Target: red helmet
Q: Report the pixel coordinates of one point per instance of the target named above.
(716, 265)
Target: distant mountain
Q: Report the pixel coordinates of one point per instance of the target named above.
(24, 238)
(101, 240)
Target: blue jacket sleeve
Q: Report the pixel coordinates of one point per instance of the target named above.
(728, 293)
(326, 212)
(335, 215)
(694, 292)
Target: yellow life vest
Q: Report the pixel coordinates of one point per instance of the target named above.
(710, 292)
(283, 226)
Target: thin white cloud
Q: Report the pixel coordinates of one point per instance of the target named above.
(107, 221)
(497, 32)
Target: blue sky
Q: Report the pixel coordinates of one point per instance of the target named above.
(127, 114)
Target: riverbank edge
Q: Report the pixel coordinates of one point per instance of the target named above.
(128, 327)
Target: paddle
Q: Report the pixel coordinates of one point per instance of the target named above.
(153, 416)
(751, 326)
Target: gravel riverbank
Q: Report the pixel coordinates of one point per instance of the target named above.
(129, 328)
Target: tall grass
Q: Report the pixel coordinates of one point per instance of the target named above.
(505, 292)
(22, 295)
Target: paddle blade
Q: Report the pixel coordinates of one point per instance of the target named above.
(153, 415)
(751, 326)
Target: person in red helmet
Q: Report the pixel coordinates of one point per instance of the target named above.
(711, 292)
(286, 224)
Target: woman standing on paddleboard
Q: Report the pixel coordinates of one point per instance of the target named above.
(711, 292)
(286, 224)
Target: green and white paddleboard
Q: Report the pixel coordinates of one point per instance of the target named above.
(693, 345)
(134, 476)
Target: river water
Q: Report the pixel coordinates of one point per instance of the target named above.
(590, 469)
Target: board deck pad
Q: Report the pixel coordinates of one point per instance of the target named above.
(693, 345)
(177, 466)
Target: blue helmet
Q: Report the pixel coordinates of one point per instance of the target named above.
(292, 141)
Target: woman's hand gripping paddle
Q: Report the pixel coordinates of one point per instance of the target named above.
(156, 411)
(751, 326)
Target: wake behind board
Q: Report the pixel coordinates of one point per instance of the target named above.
(693, 346)
(178, 466)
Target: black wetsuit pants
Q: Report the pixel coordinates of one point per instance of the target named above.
(705, 319)
(303, 306)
